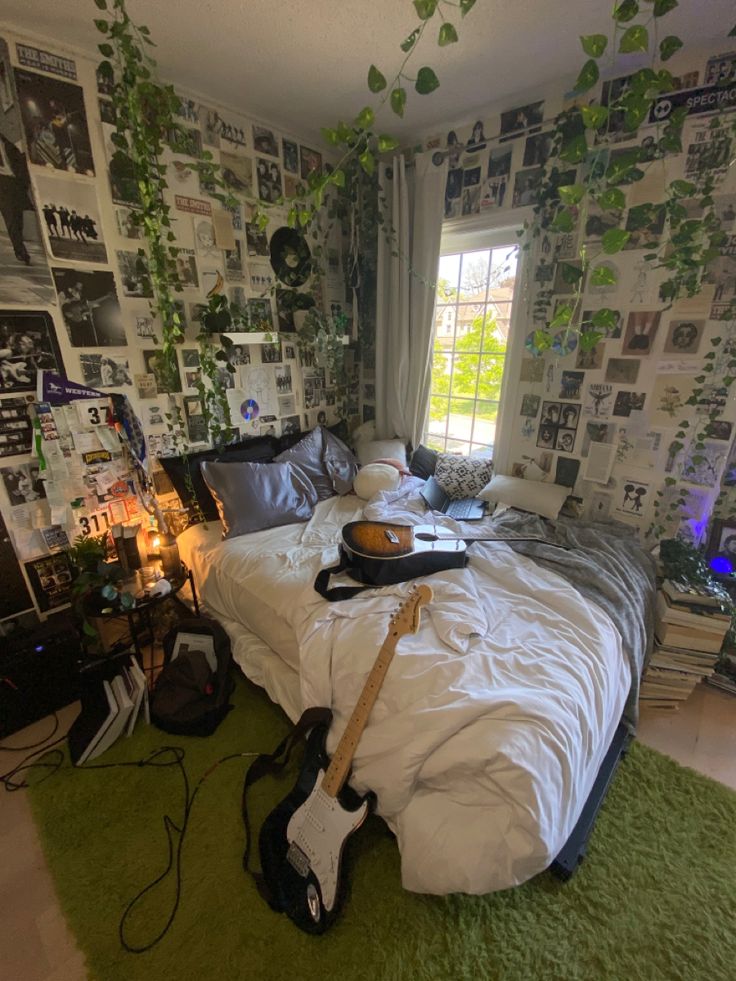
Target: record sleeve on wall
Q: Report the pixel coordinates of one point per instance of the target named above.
(55, 123)
(27, 345)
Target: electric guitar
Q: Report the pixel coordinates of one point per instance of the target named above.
(303, 839)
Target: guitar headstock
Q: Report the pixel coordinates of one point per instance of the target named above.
(406, 619)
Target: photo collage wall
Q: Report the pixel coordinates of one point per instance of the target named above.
(74, 293)
(601, 418)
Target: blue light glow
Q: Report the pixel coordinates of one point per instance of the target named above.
(721, 565)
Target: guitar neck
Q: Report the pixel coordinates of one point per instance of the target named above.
(339, 768)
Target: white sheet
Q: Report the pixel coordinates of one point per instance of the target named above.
(492, 721)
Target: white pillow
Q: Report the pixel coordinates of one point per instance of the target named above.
(526, 495)
(376, 477)
(381, 449)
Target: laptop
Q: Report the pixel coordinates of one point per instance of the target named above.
(467, 509)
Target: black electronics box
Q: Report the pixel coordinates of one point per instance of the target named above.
(39, 672)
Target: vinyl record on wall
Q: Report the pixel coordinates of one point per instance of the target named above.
(290, 257)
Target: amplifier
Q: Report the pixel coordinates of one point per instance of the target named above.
(39, 672)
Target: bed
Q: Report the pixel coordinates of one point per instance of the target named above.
(494, 719)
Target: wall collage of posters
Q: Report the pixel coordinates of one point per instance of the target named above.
(603, 421)
(74, 292)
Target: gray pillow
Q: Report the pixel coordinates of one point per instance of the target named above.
(326, 460)
(308, 454)
(340, 462)
(254, 496)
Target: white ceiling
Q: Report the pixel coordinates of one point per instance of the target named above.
(303, 64)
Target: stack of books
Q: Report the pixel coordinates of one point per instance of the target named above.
(725, 677)
(690, 628)
(114, 693)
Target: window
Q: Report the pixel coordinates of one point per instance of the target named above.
(474, 294)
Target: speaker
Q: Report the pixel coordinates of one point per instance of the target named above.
(39, 672)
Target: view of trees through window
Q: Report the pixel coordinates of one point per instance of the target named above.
(473, 314)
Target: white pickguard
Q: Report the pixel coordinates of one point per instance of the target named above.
(319, 828)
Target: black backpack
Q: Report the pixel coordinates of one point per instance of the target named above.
(190, 698)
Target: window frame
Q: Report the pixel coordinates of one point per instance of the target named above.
(469, 235)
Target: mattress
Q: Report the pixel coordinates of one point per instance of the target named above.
(493, 719)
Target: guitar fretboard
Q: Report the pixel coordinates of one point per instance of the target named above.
(339, 768)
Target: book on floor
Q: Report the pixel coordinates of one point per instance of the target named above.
(99, 710)
(700, 593)
(705, 617)
(689, 638)
(117, 726)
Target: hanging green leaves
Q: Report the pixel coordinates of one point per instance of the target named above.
(398, 101)
(611, 198)
(594, 44)
(594, 116)
(448, 35)
(635, 38)
(408, 43)
(425, 8)
(376, 79)
(426, 81)
(662, 7)
(466, 6)
(571, 193)
(589, 75)
(668, 46)
(365, 118)
(614, 240)
(603, 275)
(625, 11)
(387, 143)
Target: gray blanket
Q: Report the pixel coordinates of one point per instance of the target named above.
(608, 567)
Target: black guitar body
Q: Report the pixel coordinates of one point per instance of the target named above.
(290, 892)
(380, 572)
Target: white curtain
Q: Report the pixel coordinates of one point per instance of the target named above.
(407, 273)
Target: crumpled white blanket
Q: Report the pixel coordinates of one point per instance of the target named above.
(493, 719)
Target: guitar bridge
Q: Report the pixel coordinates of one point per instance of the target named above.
(298, 860)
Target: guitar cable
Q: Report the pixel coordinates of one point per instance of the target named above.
(164, 756)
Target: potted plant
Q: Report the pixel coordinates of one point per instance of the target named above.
(96, 590)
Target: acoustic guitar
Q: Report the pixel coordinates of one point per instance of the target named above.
(303, 839)
(382, 553)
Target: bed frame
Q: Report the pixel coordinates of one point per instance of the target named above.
(573, 851)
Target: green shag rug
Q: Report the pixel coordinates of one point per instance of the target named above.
(654, 899)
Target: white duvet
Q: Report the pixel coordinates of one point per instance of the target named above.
(493, 719)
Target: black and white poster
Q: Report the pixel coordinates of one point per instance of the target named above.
(237, 173)
(270, 353)
(310, 162)
(89, 307)
(291, 156)
(27, 345)
(628, 402)
(234, 272)
(641, 329)
(256, 240)
(45, 61)
(151, 362)
(264, 141)
(558, 426)
(195, 420)
(50, 580)
(186, 269)
(633, 497)
(16, 435)
(260, 314)
(24, 272)
(71, 219)
(599, 400)
(526, 187)
(105, 370)
(217, 129)
(515, 122)
(684, 336)
(23, 484)
(134, 274)
(269, 180)
(55, 123)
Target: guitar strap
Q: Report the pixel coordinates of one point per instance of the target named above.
(337, 592)
(272, 763)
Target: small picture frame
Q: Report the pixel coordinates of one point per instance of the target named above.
(722, 543)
